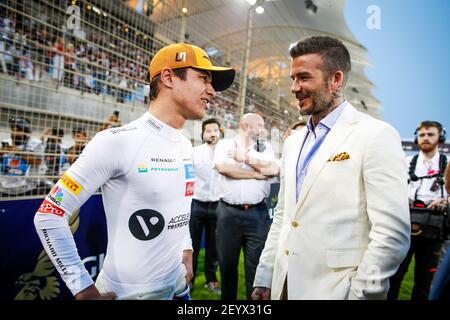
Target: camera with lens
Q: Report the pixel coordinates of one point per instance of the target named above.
(432, 223)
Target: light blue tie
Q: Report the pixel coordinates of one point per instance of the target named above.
(305, 164)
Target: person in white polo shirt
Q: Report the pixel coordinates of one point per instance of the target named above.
(204, 202)
(245, 164)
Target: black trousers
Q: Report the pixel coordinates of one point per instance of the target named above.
(426, 255)
(203, 217)
(239, 228)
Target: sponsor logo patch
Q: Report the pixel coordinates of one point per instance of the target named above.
(189, 171)
(154, 124)
(121, 129)
(146, 224)
(179, 221)
(166, 160)
(71, 184)
(142, 168)
(50, 208)
(180, 56)
(164, 164)
(164, 169)
(189, 192)
(56, 195)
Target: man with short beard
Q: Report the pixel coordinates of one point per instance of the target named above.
(144, 169)
(204, 202)
(341, 227)
(425, 189)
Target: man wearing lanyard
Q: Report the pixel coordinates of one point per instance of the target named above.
(204, 202)
(341, 226)
(426, 191)
(245, 164)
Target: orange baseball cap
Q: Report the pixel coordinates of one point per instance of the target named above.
(183, 55)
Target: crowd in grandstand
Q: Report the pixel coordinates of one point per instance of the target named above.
(99, 65)
(110, 64)
(37, 53)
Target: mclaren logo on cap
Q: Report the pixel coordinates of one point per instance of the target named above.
(206, 57)
(180, 56)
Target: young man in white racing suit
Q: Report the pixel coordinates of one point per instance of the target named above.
(145, 172)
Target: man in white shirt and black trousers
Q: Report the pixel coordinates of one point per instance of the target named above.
(428, 202)
(245, 163)
(204, 202)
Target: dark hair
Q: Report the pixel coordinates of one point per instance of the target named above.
(154, 84)
(210, 121)
(78, 129)
(57, 133)
(429, 124)
(297, 124)
(334, 54)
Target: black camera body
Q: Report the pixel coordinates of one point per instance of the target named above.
(429, 223)
(425, 222)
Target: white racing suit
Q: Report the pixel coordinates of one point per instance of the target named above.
(146, 176)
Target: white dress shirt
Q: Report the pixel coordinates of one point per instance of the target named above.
(314, 139)
(206, 177)
(242, 191)
(422, 186)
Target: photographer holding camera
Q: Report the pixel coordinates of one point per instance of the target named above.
(429, 210)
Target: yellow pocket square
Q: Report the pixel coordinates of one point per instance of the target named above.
(340, 157)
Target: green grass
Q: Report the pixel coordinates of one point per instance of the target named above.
(201, 293)
(407, 283)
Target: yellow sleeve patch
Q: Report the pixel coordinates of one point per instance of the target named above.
(71, 184)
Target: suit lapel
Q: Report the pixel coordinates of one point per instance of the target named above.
(337, 135)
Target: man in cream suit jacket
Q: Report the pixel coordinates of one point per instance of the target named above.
(341, 227)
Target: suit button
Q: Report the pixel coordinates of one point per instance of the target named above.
(286, 252)
(294, 224)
